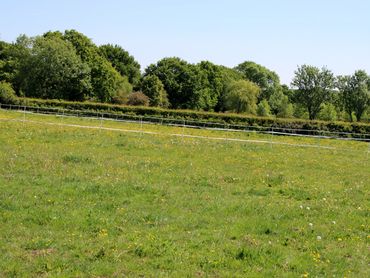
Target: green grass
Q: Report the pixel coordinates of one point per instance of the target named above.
(97, 203)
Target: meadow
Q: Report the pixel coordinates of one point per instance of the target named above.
(100, 202)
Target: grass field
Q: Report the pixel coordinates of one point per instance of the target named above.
(80, 202)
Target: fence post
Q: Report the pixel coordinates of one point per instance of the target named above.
(183, 130)
(61, 118)
(141, 125)
(272, 136)
(24, 114)
(101, 121)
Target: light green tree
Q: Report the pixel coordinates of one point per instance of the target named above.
(152, 86)
(263, 108)
(241, 97)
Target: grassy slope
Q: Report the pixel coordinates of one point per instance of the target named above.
(102, 203)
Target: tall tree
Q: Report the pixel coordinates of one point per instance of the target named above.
(266, 79)
(122, 61)
(314, 87)
(107, 84)
(180, 80)
(355, 93)
(12, 56)
(54, 70)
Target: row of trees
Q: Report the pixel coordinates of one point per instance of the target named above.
(70, 66)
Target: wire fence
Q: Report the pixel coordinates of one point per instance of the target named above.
(185, 123)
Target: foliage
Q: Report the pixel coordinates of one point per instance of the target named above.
(138, 99)
(314, 87)
(36, 67)
(241, 97)
(327, 112)
(53, 70)
(280, 104)
(263, 109)
(90, 108)
(180, 81)
(107, 83)
(7, 93)
(355, 93)
(212, 84)
(266, 79)
(152, 87)
(11, 59)
(122, 61)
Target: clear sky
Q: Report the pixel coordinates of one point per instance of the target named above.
(279, 34)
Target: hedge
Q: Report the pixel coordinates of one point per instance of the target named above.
(199, 118)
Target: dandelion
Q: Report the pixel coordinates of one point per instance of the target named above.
(310, 224)
(308, 208)
(318, 237)
(103, 232)
(339, 239)
(301, 206)
(324, 199)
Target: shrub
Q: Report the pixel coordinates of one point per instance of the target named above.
(241, 97)
(88, 108)
(327, 112)
(263, 108)
(7, 94)
(138, 99)
(154, 89)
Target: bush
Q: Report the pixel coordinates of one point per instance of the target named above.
(263, 108)
(138, 99)
(237, 120)
(7, 94)
(152, 86)
(241, 97)
(327, 112)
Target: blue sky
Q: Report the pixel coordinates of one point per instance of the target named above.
(279, 34)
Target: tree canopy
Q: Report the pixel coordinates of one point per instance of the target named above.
(266, 79)
(122, 61)
(355, 93)
(314, 86)
(241, 97)
(54, 70)
(69, 65)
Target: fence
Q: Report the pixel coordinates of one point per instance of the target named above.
(189, 123)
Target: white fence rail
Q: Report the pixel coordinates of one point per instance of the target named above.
(189, 123)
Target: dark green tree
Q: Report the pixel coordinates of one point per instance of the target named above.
(180, 80)
(122, 61)
(266, 79)
(314, 87)
(107, 84)
(54, 70)
(355, 93)
(12, 56)
(211, 84)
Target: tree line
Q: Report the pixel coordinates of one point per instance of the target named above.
(68, 65)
